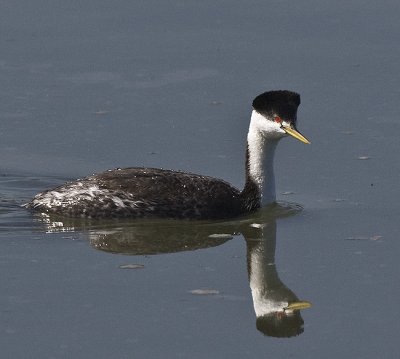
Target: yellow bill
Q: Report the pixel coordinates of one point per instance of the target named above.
(298, 305)
(296, 134)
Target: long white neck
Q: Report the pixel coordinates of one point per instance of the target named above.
(261, 151)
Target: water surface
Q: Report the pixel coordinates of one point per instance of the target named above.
(97, 85)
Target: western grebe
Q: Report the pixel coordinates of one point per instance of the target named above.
(158, 193)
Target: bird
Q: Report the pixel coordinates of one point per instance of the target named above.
(140, 192)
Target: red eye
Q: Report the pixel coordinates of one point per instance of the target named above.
(277, 119)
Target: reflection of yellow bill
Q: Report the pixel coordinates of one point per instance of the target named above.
(296, 134)
(298, 305)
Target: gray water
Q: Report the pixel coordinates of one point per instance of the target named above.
(86, 86)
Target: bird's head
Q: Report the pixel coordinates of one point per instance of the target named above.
(275, 113)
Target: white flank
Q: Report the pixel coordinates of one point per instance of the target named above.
(118, 202)
(70, 196)
(76, 193)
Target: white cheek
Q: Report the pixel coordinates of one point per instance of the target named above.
(268, 128)
(272, 129)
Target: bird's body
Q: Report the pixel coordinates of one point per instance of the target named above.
(144, 193)
(157, 193)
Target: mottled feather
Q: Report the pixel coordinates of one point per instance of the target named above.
(142, 193)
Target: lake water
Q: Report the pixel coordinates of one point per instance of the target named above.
(99, 84)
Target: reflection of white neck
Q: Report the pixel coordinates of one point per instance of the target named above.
(261, 156)
(263, 303)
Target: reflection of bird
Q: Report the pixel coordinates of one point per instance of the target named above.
(277, 308)
(148, 192)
